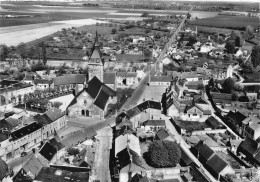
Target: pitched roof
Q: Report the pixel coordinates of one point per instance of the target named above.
(217, 164)
(213, 122)
(3, 169)
(139, 178)
(204, 151)
(56, 143)
(79, 136)
(42, 81)
(160, 78)
(101, 99)
(185, 158)
(124, 158)
(131, 74)
(109, 77)
(48, 151)
(70, 79)
(154, 123)
(52, 174)
(249, 146)
(33, 166)
(236, 117)
(54, 114)
(127, 141)
(26, 130)
(161, 134)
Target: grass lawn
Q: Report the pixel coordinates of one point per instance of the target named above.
(230, 160)
(213, 29)
(192, 125)
(233, 22)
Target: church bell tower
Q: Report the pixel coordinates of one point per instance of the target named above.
(96, 61)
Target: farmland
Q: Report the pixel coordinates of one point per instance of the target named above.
(229, 22)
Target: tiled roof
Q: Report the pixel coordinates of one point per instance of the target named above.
(33, 166)
(78, 137)
(154, 123)
(28, 78)
(213, 122)
(42, 81)
(161, 134)
(109, 77)
(94, 86)
(124, 159)
(204, 151)
(120, 74)
(185, 158)
(70, 79)
(48, 151)
(216, 164)
(101, 99)
(54, 114)
(160, 78)
(51, 174)
(127, 141)
(248, 146)
(56, 143)
(236, 117)
(3, 169)
(26, 130)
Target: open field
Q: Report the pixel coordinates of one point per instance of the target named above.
(213, 29)
(230, 22)
(12, 36)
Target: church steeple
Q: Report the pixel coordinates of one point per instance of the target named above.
(96, 43)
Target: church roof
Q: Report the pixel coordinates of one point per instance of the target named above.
(96, 53)
(98, 91)
(101, 99)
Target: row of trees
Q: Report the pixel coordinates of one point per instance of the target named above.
(23, 51)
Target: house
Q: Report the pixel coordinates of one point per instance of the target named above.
(28, 79)
(4, 171)
(127, 141)
(212, 162)
(30, 169)
(249, 149)
(220, 98)
(202, 152)
(51, 122)
(163, 134)
(214, 123)
(54, 174)
(14, 92)
(72, 81)
(234, 121)
(146, 110)
(218, 167)
(49, 152)
(251, 127)
(128, 160)
(23, 139)
(110, 79)
(92, 101)
(153, 125)
(160, 80)
(196, 112)
(131, 79)
(42, 84)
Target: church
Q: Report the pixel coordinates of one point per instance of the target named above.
(93, 99)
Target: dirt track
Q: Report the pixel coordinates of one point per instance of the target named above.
(12, 36)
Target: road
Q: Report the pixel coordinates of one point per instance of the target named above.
(213, 114)
(103, 154)
(186, 147)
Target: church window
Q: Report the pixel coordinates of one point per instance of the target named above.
(85, 102)
(83, 112)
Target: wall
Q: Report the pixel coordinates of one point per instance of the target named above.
(65, 100)
(208, 131)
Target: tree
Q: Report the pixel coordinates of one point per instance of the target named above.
(57, 104)
(192, 40)
(147, 54)
(73, 151)
(188, 16)
(113, 31)
(145, 14)
(4, 51)
(249, 32)
(148, 30)
(255, 56)
(22, 49)
(230, 47)
(228, 85)
(163, 154)
(43, 48)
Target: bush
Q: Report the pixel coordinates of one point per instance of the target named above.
(73, 151)
(163, 154)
